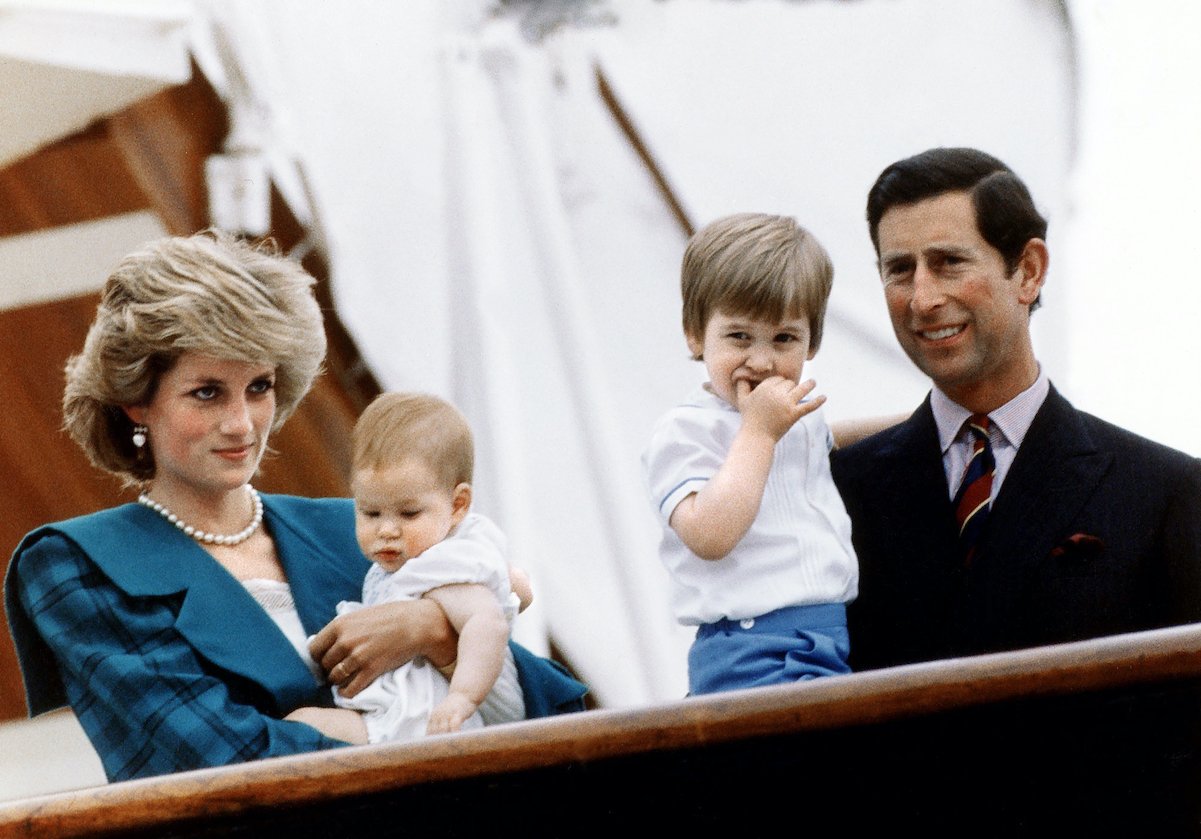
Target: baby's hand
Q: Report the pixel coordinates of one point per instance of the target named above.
(450, 714)
(775, 405)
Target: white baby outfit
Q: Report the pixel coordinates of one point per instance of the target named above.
(397, 705)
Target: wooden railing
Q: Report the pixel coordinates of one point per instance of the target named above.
(1100, 733)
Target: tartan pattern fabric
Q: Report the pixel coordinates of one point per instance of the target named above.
(168, 662)
(975, 490)
(149, 704)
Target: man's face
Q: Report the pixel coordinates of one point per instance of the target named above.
(958, 314)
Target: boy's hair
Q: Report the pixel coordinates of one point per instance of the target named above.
(758, 265)
(396, 426)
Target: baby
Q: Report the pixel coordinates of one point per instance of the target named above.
(411, 479)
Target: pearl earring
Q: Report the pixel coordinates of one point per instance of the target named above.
(139, 435)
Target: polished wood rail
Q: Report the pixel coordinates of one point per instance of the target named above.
(1003, 743)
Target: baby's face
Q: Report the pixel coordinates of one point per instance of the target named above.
(401, 510)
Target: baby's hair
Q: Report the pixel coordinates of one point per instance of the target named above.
(397, 426)
(756, 265)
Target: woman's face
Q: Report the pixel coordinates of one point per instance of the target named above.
(208, 422)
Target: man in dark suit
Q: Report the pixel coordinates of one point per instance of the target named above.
(1087, 529)
(1041, 524)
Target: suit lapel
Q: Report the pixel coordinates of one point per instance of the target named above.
(904, 530)
(911, 478)
(1055, 472)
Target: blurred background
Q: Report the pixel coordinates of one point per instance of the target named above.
(495, 197)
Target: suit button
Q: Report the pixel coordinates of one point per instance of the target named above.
(746, 623)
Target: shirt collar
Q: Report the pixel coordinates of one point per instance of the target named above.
(1012, 419)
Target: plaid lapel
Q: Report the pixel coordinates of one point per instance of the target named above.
(146, 556)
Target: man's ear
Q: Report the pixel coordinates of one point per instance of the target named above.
(1031, 270)
(460, 503)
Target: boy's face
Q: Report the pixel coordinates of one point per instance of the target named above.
(403, 509)
(739, 347)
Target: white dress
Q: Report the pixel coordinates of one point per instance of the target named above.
(275, 596)
(397, 705)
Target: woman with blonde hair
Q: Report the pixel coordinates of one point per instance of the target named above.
(176, 627)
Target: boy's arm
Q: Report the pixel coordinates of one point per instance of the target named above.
(714, 519)
(483, 636)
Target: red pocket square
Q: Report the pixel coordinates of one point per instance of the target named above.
(1079, 544)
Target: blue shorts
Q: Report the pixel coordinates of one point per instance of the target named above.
(787, 645)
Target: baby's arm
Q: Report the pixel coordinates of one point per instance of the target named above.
(713, 520)
(483, 631)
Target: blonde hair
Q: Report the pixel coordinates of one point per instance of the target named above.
(396, 426)
(209, 293)
(755, 265)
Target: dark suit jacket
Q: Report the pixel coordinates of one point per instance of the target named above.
(1095, 531)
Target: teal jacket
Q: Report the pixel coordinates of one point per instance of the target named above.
(166, 659)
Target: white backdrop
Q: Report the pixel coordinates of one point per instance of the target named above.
(495, 240)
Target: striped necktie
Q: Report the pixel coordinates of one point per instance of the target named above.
(972, 500)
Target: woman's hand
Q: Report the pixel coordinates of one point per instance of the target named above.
(338, 723)
(355, 648)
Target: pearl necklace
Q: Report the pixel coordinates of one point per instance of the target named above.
(204, 536)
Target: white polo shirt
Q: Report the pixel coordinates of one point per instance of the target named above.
(798, 550)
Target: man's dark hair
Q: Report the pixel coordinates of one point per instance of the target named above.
(1005, 213)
